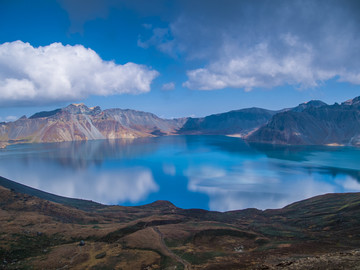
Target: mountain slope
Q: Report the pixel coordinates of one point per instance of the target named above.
(239, 122)
(43, 231)
(78, 122)
(307, 105)
(310, 123)
(314, 125)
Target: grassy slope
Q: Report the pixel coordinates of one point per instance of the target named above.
(38, 228)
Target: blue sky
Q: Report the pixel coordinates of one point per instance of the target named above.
(176, 58)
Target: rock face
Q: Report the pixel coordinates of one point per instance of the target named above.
(78, 122)
(314, 124)
(239, 122)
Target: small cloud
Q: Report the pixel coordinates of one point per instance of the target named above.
(258, 67)
(147, 25)
(142, 44)
(11, 118)
(168, 86)
(169, 169)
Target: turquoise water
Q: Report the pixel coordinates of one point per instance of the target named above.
(209, 172)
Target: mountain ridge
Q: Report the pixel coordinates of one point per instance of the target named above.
(337, 124)
(310, 123)
(79, 122)
(235, 122)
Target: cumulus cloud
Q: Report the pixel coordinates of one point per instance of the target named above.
(54, 73)
(259, 67)
(168, 86)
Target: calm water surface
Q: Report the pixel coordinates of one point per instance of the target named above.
(209, 172)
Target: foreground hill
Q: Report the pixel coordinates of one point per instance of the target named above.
(37, 233)
(337, 124)
(78, 122)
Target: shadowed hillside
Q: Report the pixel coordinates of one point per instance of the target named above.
(43, 231)
(315, 125)
(240, 122)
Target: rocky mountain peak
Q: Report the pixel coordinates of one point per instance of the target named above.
(310, 104)
(352, 102)
(95, 110)
(81, 108)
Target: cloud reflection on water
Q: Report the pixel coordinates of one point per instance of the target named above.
(109, 187)
(211, 172)
(241, 188)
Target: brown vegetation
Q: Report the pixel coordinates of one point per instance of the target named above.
(318, 233)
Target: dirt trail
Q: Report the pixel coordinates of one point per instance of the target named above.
(187, 265)
(68, 266)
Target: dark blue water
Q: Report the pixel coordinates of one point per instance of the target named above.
(209, 172)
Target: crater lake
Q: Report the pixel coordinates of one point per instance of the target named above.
(209, 172)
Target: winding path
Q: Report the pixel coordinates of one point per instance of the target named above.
(187, 265)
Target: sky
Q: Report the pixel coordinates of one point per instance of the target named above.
(176, 58)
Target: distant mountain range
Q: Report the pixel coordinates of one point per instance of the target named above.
(311, 123)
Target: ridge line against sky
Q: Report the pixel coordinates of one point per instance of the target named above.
(177, 58)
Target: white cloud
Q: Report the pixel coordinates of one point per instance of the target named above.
(168, 86)
(147, 25)
(64, 73)
(9, 118)
(169, 169)
(260, 67)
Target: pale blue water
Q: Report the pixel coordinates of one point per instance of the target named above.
(208, 172)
